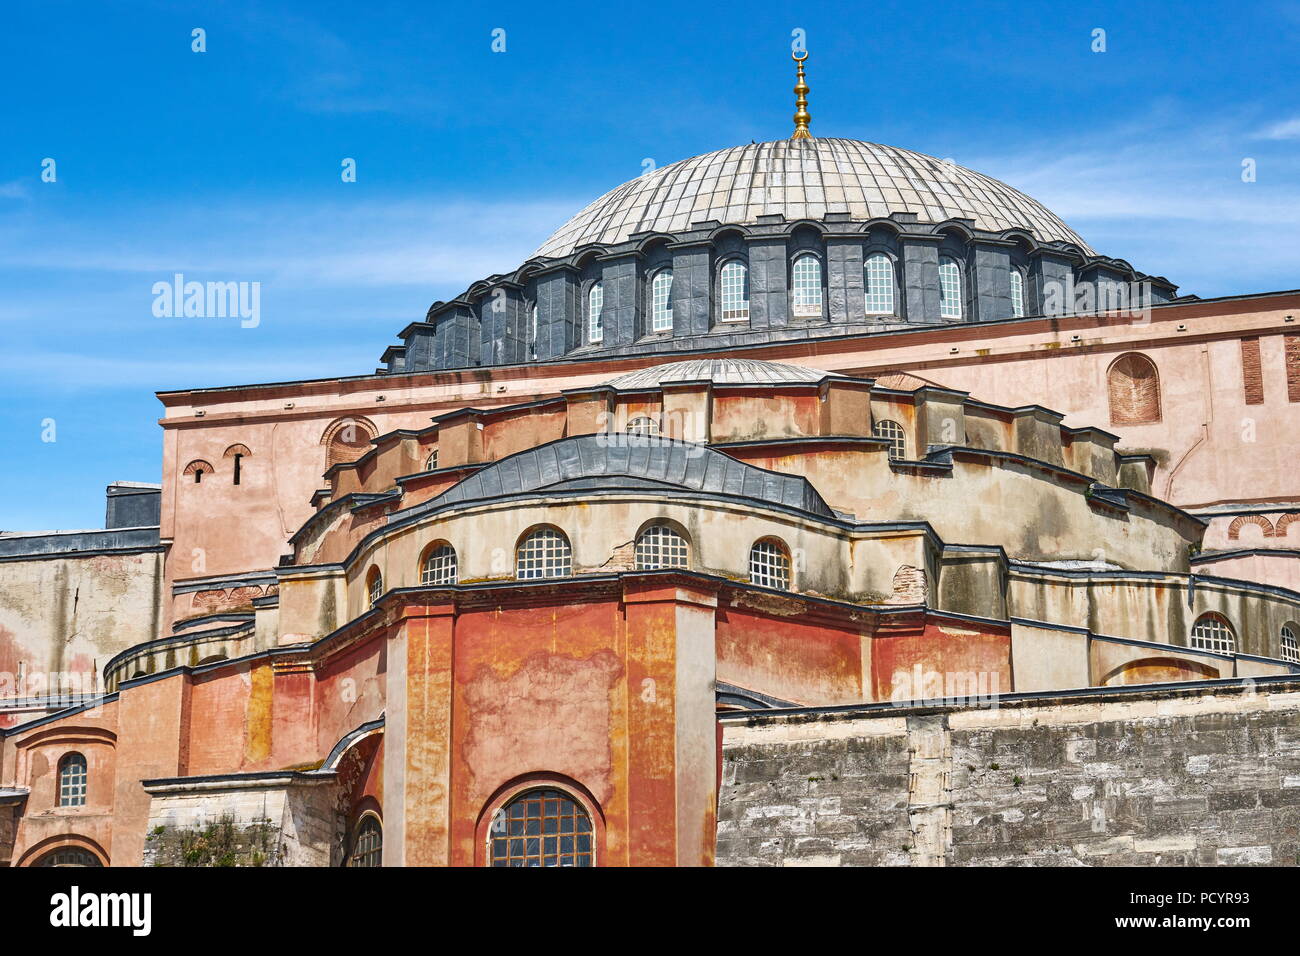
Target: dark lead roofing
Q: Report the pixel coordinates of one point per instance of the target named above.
(648, 461)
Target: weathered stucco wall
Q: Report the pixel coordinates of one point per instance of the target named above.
(62, 618)
(1197, 776)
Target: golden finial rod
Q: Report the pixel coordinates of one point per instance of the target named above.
(801, 116)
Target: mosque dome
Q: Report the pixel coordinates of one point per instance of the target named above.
(721, 372)
(805, 179)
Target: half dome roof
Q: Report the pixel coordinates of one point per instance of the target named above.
(721, 372)
(805, 179)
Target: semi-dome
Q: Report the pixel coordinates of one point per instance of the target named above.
(721, 372)
(805, 179)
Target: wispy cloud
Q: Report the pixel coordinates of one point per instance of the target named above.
(1172, 200)
(425, 242)
(1286, 129)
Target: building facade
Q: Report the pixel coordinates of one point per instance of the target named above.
(810, 501)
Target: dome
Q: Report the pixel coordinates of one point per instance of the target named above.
(805, 179)
(721, 372)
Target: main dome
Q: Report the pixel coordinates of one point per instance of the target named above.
(805, 179)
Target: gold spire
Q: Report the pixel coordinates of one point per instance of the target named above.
(801, 116)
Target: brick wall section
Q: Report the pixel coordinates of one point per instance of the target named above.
(1292, 367)
(1165, 778)
(1252, 377)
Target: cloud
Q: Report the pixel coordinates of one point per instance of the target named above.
(14, 189)
(421, 242)
(1287, 129)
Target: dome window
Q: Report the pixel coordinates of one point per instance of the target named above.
(532, 330)
(896, 436)
(769, 564)
(661, 301)
(1211, 632)
(595, 305)
(734, 283)
(1290, 647)
(949, 289)
(879, 285)
(1017, 294)
(643, 425)
(544, 554)
(807, 286)
(439, 566)
(661, 547)
(374, 588)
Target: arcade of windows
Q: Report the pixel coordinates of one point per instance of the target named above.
(807, 295)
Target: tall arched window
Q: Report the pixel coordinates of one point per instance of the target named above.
(806, 284)
(897, 437)
(595, 304)
(1290, 646)
(544, 554)
(439, 566)
(769, 564)
(1133, 388)
(659, 546)
(431, 462)
(1017, 294)
(733, 291)
(532, 329)
(643, 425)
(72, 780)
(374, 587)
(367, 843)
(878, 280)
(661, 301)
(950, 305)
(1212, 632)
(541, 828)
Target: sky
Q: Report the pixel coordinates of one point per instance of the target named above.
(227, 165)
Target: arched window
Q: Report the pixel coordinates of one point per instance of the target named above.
(197, 469)
(374, 587)
(659, 546)
(347, 439)
(661, 301)
(541, 828)
(897, 437)
(237, 454)
(439, 566)
(544, 554)
(769, 564)
(878, 280)
(367, 843)
(643, 425)
(1212, 632)
(806, 283)
(432, 461)
(950, 306)
(69, 856)
(72, 780)
(1133, 387)
(733, 283)
(1017, 294)
(532, 329)
(595, 303)
(1290, 646)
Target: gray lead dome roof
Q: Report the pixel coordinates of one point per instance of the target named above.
(805, 179)
(722, 372)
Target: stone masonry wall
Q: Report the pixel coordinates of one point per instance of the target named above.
(1207, 776)
(254, 826)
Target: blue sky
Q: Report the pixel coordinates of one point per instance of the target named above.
(225, 165)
